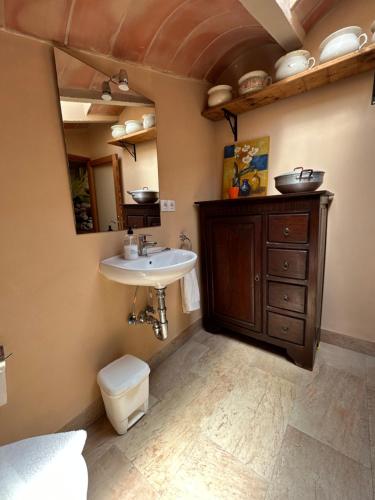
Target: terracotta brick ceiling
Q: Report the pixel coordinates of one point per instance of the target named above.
(194, 38)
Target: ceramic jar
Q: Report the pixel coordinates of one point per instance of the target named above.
(342, 42)
(118, 131)
(133, 126)
(219, 94)
(148, 120)
(293, 63)
(253, 81)
(255, 182)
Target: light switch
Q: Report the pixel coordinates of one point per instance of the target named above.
(172, 205)
(164, 206)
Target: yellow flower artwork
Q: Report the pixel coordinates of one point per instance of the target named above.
(246, 168)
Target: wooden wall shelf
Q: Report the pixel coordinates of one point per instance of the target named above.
(145, 135)
(323, 74)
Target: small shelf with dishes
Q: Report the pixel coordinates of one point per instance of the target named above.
(323, 74)
(130, 141)
(144, 135)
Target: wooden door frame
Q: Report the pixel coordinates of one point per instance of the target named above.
(117, 181)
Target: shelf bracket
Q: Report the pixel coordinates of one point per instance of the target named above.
(373, 93)
(232, 120)
(130, 148)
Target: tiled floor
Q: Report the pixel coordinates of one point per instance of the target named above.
(232, 421)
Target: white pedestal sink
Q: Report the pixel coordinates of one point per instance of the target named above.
(156, 270)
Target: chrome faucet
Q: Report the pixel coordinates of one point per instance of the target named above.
(144, 244)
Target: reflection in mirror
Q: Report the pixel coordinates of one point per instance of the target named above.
(110, 140)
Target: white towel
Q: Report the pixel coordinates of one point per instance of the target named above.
(44, 468)
(190, 292)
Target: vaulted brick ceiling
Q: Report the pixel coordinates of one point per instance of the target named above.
(195, 38)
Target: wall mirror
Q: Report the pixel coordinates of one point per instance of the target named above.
(110, 141)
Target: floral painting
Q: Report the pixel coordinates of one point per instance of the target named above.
(246, 168)
(79, 184)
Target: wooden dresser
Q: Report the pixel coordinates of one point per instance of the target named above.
(141, 214)
(262, 265)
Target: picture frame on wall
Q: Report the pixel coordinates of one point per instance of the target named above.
(245, 171)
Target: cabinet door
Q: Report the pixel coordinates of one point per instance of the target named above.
(234, 269)
(135, 221)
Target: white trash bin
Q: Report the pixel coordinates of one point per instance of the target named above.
(124, 387)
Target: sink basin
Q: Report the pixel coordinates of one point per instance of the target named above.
(157, 270)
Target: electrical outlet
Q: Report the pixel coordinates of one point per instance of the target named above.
(171, 205)
(164, 206)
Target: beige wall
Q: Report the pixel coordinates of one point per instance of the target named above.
(78, 142)
(331, 129)
(60, 318)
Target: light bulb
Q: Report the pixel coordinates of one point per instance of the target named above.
(123, 80)
(106, 91)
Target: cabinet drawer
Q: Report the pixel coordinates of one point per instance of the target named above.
(288, 228)
(290, 297)
(287, 263)
(153, 221)
(135, 221)
(286, 328)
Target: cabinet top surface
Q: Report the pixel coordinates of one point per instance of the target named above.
(273, 197)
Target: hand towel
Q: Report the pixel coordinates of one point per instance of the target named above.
(190, 292)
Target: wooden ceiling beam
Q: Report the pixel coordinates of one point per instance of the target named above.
(278, 20)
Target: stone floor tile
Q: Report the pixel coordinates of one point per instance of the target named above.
(251, 419)
(310, 470)
(210, 473)
(114, 477)
(333, 409)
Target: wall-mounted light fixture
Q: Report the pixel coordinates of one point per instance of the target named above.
(121, 80)
(123, 83)
(106, 91)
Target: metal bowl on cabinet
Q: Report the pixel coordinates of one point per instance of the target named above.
(299, 181)
(144, 195)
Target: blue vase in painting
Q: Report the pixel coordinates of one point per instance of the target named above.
(244, 188)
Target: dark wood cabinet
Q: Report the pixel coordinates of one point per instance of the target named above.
(262, 268)
(141, 214)
(235, 252)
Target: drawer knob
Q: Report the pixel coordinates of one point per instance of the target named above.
(285, 328)
(285, 265)
(257, 277)
(286, 298)
(286, 231)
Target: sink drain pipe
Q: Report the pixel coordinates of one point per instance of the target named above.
(160, 326)
(147, 315)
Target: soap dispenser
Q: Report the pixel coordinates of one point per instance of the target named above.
(130, 245)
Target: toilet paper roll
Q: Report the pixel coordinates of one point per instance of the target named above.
(3, 385)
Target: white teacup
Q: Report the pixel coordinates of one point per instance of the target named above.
(293, 63)
(342, 42)
(253, 81)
